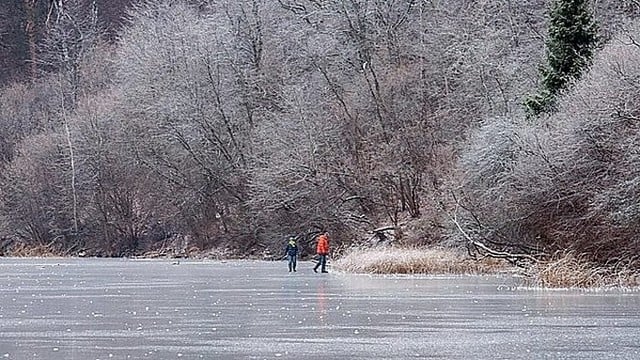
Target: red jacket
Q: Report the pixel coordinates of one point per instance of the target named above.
(323, 245)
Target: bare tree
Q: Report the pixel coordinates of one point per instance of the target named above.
(191, 128)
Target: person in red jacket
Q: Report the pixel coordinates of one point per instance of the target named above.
(322, 249)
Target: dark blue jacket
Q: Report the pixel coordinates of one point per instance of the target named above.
(292, 248)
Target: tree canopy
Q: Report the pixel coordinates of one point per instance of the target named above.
(231, 125)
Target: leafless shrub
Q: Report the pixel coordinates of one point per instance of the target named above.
(36, 199)
(26, 109)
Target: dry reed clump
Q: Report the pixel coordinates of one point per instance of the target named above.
(414, 261)
(25, 250)
(568, 270)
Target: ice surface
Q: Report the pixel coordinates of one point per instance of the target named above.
(135, 309)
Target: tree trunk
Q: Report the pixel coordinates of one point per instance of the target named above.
(30, 28)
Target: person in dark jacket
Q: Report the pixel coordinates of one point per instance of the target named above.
(291, 252)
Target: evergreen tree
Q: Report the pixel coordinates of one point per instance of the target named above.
(570, 47)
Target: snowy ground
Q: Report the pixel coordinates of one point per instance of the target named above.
(140, 309)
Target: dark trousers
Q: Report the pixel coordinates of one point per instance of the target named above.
(292, 262)
(322, 261)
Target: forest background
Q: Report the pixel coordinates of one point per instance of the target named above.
(199, 125)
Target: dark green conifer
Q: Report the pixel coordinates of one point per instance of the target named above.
(571, 43)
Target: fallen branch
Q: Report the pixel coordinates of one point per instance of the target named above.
(383, 229)
(485, 250)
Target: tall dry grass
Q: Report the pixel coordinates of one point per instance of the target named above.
(24, 250)
(415, 261)
(570, 270)
(563, 270)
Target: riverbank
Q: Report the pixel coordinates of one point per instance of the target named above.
(563, 270)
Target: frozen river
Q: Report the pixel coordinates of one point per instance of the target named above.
(140, 309)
